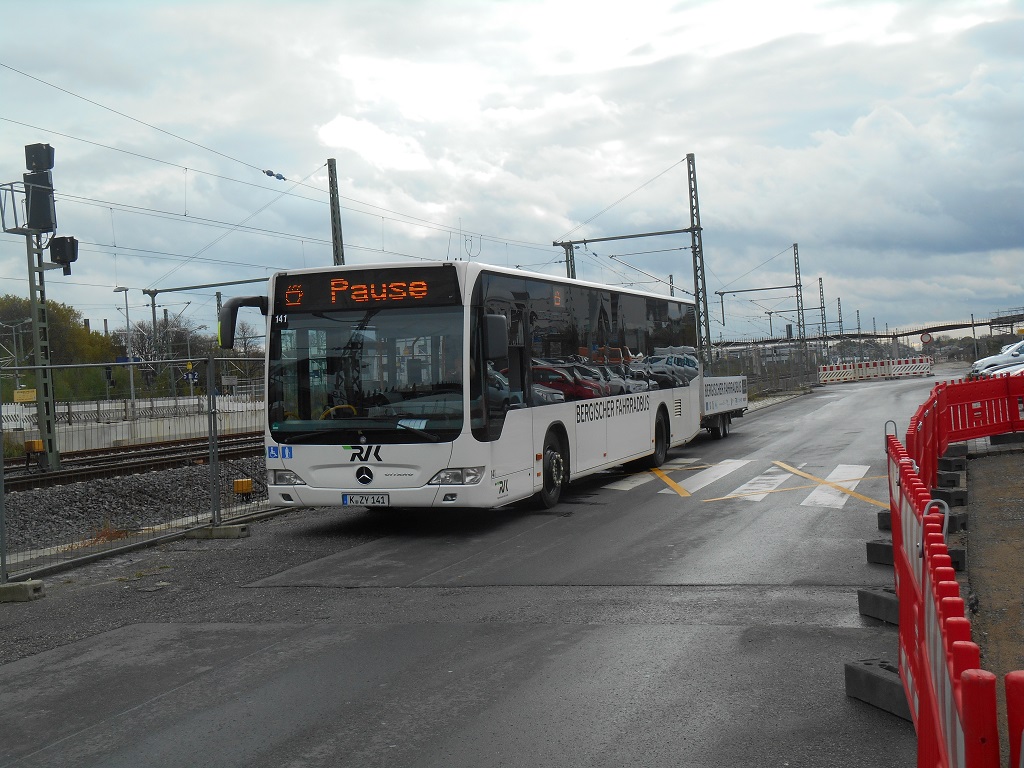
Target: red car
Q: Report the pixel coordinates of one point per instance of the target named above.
(572, 386)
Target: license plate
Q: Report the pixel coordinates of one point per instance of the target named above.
(365, 500)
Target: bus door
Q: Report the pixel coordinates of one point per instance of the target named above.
(499, 411)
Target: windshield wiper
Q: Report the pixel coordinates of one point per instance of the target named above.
(422, 433)
(299, 437)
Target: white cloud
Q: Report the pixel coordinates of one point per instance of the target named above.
(880, 136)
(385, 150)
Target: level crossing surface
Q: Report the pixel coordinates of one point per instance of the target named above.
(700, 615)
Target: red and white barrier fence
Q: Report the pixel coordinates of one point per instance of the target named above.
(875, 369)
(952, 700)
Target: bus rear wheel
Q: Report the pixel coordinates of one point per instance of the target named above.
(660, 453)
(721, 428)
(555, 470)
(657, 458)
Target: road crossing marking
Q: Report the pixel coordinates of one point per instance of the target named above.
(765, 483)
(845, 477)
(836, 486)
(679, 462)
(630, 482)
(705, 477)
(832, 491)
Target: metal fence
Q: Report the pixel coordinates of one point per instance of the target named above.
(771, 367)
(101, 406)
(43, 529)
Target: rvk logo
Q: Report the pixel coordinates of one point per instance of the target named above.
(364, 452)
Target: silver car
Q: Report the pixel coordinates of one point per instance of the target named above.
(1014, 354)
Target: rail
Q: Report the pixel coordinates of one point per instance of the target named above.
(952, 700)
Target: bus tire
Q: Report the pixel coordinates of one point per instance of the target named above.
(721, 428)
(555, 470)
(657, 458)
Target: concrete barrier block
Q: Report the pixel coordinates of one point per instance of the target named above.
(22, 591)
(956, 450)
(948, 479)
(880, 552)
(954, 497)
(885, 520)
(879, 603)
(1007, 438)
(957, 522)
(877, 682)
(952, 464)
(219, 532)
(959, 557)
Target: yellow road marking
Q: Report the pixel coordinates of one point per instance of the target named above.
(823, 481)
(671, 483)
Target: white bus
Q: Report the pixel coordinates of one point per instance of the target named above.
(459, 384)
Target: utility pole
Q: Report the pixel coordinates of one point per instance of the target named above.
(332, 181)
(801, 325)
(700, 290)
(860, 340)
(40, 218)
(824, 326)
(699, 287)
(570, 259)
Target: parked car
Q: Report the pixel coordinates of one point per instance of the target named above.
(637, 381)
(1014, 354)
(591, 374)
(573, 387)
(684, 367)
(616, 382)
(1012, 369)
(497, 383)
(546, 395)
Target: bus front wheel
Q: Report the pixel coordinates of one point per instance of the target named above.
(555, 470)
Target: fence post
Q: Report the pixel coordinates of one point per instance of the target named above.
(1014, 683)
(981, 732)
(211, 398)
(3, 517)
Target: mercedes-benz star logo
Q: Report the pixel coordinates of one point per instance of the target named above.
(364, 475)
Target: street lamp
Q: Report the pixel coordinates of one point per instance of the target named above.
(131, 354)
(16, 338)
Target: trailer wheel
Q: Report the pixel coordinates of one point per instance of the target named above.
(555, 470)
(721, 428)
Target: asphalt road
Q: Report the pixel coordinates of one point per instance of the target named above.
(699, 618)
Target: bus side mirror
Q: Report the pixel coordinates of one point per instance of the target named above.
(495, 337)
(229, 314)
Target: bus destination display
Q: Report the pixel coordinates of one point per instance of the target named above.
(358, 289)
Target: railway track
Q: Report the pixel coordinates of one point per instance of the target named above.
(81, 466)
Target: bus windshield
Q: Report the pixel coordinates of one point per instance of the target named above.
(373, 375)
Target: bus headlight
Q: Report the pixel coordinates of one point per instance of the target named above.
(285, 477)
(459, 476)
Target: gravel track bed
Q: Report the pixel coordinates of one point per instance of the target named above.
(47, 517)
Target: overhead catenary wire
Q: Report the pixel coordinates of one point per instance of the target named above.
(624, 197)
(396, 216)
(129, 117)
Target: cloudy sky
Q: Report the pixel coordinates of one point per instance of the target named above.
(886, 139)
